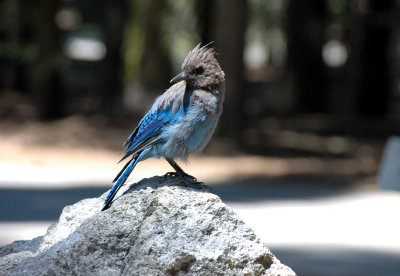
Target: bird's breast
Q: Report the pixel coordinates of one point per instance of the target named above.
(195, 129)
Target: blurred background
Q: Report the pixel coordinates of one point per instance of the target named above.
(313, 93)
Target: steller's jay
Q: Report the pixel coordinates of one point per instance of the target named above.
(181, 121)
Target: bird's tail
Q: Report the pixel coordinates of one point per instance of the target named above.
(120, 180)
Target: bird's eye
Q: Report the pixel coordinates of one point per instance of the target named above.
(198, 70)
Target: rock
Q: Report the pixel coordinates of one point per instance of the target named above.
(155, 228)
(389, 171)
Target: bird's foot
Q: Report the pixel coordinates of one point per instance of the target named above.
(185, 176)
(193, 183)
(188, 180)
(175, 174)
(171, 174)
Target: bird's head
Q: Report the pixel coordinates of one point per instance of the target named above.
(201, 69)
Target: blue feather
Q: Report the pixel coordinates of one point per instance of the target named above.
(149, 129)
(122, 177)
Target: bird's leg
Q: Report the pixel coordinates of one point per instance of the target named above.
(185, 177)
(178, 171)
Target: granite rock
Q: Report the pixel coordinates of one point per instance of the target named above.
(155, 228)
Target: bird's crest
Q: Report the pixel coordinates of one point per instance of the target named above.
(198, 54)
(208, 44)
(203, 58)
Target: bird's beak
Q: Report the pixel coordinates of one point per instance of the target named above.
(178, 78)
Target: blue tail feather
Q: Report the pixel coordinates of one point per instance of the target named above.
(123, 169)
(121, 178)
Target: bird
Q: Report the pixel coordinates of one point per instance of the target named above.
(181, 121)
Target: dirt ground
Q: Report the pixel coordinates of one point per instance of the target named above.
(78, 142)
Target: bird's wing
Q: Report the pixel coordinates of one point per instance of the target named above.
(166, 110)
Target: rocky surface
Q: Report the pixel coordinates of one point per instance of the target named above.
(156, 228)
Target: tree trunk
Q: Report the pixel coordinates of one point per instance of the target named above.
(205, 20)
(112, 23)
(155, 63)
(231, 18)
(305, 31)
(374, 87)
(46, 68)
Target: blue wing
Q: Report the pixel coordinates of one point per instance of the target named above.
(149, 130)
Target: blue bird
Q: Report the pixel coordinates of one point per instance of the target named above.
(181, 121)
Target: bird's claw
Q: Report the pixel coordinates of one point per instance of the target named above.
(170, 174)
(192, 178)
(188, 181)
(194, 184)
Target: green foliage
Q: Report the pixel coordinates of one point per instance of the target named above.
(336, 6)
(18, 53)
(177, 31)
(133, 43)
